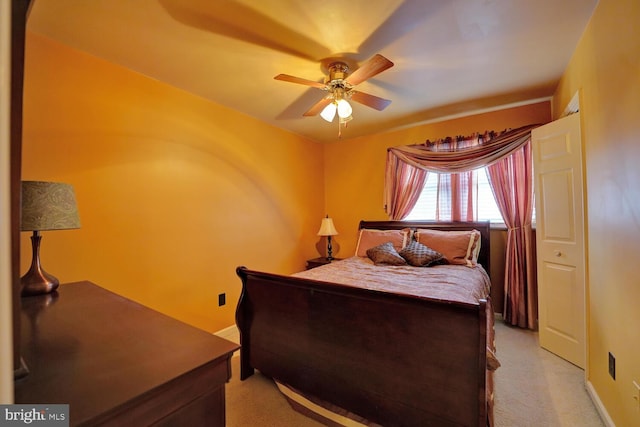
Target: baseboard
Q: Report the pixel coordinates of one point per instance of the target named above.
(606, 419)
(231, 333)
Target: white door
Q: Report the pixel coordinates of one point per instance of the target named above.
(557, 159)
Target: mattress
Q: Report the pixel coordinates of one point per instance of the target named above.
(457, 283)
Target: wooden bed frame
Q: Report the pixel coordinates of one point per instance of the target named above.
(392, 359)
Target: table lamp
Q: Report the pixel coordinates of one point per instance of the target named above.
(45, 206)
(327, 229)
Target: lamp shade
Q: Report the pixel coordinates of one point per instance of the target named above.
(327, 228)
(48, 206)
(329, 112)
(344, 109)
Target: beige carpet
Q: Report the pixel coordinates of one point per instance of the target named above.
(533, 388)
(537, 388)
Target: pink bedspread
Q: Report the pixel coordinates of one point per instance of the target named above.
(443, 282)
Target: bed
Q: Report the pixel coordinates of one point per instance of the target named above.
(374, 354)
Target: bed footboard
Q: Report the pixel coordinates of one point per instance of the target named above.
(392, 359)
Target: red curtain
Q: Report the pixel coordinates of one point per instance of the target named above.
(511, 181)
(401, 182)
(457, 198)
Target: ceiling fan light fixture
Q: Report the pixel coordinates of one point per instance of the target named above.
(344, 109)
(329, 112)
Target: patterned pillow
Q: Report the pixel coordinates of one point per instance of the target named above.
(420, 255)
(385, 254)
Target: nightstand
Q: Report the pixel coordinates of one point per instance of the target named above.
(317, 262)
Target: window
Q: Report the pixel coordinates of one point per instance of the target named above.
(486, 206)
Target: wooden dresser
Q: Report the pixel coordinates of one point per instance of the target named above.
(116, 362)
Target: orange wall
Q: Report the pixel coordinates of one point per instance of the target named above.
(174, 192)
(354, 174)
(605, 69)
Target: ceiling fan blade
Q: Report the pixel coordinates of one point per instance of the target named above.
(370, 100)
(373, 66)
(318, 107)
(293, 79)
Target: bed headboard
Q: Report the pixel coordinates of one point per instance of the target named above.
(482, 226)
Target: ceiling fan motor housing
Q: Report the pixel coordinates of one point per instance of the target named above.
(338, 71)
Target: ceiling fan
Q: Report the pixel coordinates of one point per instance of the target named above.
(340, 87)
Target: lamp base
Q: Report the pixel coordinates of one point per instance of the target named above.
(37, 281)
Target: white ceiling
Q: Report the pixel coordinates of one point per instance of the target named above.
(451, 56)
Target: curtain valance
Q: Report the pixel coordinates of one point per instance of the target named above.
(449, 157)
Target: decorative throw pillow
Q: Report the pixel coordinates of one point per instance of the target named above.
(385, 254)
(458, 247)
(369, 238)
(420, 255)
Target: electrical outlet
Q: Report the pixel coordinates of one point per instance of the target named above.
(612, 366)
(636, 393)
(222, 300)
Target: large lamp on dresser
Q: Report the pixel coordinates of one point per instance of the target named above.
(45, 206)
